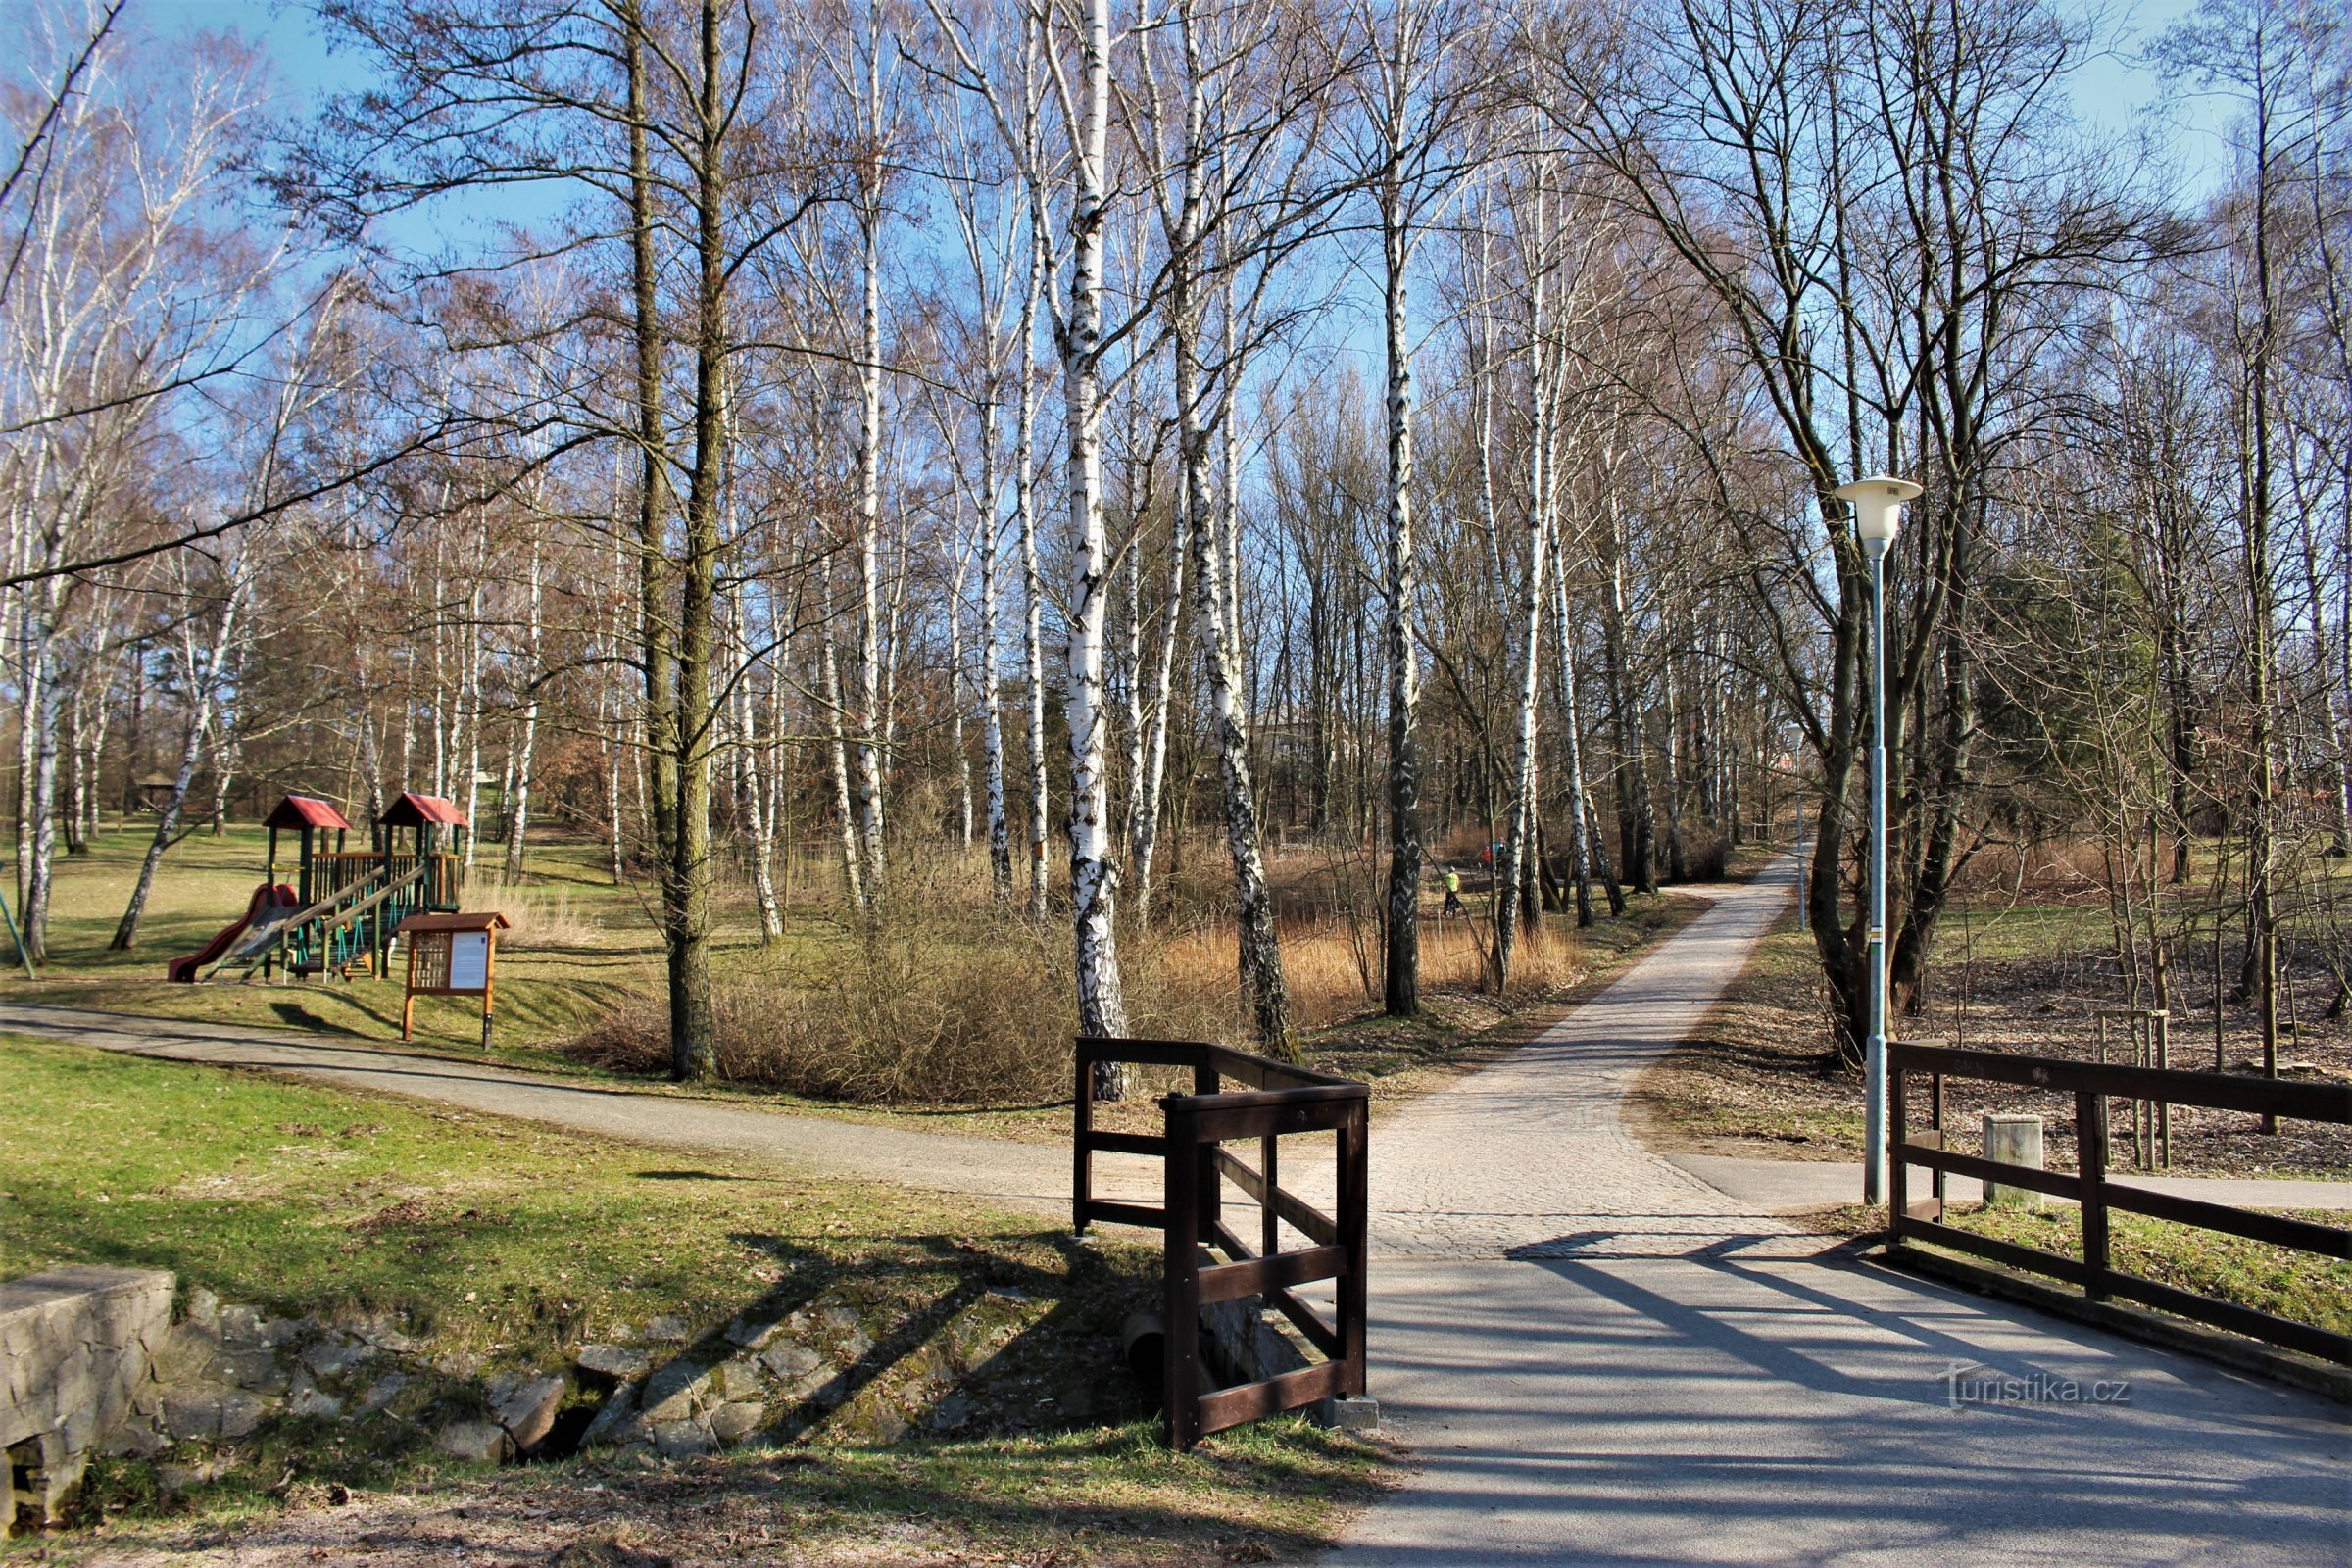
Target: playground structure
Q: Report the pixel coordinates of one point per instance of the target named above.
(344, 906)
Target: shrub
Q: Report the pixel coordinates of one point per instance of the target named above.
(537, 915)
(890, 1018)
(1706, 854)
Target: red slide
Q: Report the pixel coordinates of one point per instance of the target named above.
(265, 896)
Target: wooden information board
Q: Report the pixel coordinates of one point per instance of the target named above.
(451, 956)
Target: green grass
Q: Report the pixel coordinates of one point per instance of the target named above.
(505, 1245)
(309, 1200)
(547, 993)
(2279, 1280)
(2024, 930)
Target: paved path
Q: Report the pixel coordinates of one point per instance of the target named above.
(1029, 1176)
(1600, 1358)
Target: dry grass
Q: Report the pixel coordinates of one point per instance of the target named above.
(1332, 966)
(539, 916)
(909, 1014)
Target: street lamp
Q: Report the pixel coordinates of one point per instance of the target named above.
(1878, 507)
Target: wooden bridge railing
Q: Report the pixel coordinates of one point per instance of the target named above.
(1278, 1100)
(2092, 1085)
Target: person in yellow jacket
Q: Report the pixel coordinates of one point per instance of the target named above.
(1454, 895)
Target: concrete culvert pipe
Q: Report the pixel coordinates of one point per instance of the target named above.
(1144, 1339)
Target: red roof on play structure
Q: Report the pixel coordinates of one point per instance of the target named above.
(304, 811)
(415, 810)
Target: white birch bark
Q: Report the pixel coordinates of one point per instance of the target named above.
(1535, 251)
(1580, 846)
(1401, 984)
(1143, 845)
(1094, 875)
(469, 698)
(866, 790)
(525, 754)
(204, 669)
(992, 716)
(1033, 650)
(957, 675)
(838, 744)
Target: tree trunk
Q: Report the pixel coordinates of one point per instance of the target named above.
(519, 800)
(1033, 591)
(1578, 832)
(204, 674)
(1094, 878)
(992, 716)
(1402, 967)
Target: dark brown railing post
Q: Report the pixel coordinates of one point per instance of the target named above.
(1082, 1154)
(1181, 1303)
(2091, 1158)
(1206, 1179)
(1351, 1194)
(1899, 1133)
(1269, 1167)
(1936, 1125)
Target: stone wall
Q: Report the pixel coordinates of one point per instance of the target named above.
(94, 1364)
(77, 1347)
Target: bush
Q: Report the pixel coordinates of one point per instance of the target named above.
(1706, 854)
(920, 1014)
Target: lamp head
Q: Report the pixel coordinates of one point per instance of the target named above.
(1878, 504)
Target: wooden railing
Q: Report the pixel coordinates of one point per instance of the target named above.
(1278, 1100)
(339, 870)
(2092, 1085)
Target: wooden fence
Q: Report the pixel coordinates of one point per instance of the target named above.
(2092, 1086)
(1278, 1100)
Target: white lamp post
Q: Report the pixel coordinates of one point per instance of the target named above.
(1878, 505)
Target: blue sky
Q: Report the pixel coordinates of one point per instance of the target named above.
(2114, 93)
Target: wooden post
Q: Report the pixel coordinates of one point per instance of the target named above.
(489, 981)
(1935, 1122)
(1181, 1309)
(1899, 1133)
(1082, 1122)
(408, 1003)
(1269, 1169)
(1206, 1174)
(2091, 1160)
(1352, 1187)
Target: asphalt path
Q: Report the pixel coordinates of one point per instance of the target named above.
(1597, 1358)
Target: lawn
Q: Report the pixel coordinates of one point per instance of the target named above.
(2279, 1280)
(504, 1246)
(584, 952)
